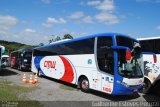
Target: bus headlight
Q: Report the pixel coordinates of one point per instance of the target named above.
(25, 60)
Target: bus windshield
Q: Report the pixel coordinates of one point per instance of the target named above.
(14, 54)
(131, 68)
(28, 56)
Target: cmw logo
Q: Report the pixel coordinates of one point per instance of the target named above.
(50, 64)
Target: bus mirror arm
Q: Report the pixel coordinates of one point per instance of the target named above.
(151, 53)
(119, 48)
(126, 49)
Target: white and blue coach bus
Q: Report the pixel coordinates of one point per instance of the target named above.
(107, 62)
(151, 47)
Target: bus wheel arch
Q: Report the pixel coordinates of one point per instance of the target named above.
(83, 83)
(147, 85)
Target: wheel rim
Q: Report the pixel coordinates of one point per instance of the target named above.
(85, 84)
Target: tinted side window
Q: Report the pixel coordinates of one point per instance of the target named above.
(45, 51)
(147, 45)
(78, 47)
(124, 41)
(105, 57)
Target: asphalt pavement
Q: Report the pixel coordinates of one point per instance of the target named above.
(50, 93)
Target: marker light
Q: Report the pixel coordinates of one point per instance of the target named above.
(154, 58)
(128, 55)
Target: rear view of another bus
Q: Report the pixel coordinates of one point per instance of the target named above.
(151, 56)
(24, 59)
(13, 59)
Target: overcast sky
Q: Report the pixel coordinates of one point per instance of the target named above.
(34, 21)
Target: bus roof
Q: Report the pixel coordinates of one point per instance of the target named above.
(148, 38)
(60, 41)
(85, 37)
(22, 50)
(25, 49)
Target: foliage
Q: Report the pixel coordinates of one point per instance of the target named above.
(12, 46)
(14, 95)
(68, 36)
(57, 38)
(41, 44)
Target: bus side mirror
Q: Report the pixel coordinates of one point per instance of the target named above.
(126, 49)
(119, 48)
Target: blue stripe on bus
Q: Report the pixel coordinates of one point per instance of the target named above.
(119, 89)
(116, 75)
(149, 53)
(120, 47)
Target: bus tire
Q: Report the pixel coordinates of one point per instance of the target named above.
(147, 86)
(84, 84)
(156, 88)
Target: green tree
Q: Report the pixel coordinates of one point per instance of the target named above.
(57, 38)
(53, 39)
(67, 36)
(41, 44)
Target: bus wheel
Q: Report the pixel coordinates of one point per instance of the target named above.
(147, 86)
(156, 88)
(84, 85)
